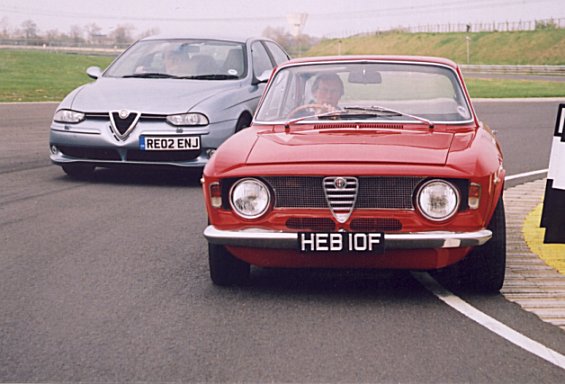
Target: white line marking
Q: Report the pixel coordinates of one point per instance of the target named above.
(526, 174)
(488, 322)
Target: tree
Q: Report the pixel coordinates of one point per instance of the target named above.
(281, 36)
(53, 36)
(148, 32)
(293, 45)
(4, 25)
(122, 34)
(29, 29)
(75, 34)
(92, 32)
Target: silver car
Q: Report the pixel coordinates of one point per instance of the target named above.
(164, 101)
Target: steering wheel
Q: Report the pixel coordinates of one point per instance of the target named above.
(317, 108)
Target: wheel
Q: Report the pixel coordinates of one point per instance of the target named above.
(484, 268)
(79, 171)
(244, 121)
(225, 269)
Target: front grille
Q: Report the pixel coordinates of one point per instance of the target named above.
(89, 153)
(375, 225)
(311, 224)
(374, 192)
(106, 116)
(341, 193)
(298, 192)
(387, 192)
(161, 156)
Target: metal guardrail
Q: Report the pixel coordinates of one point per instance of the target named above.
(553, 70)
(79, 50)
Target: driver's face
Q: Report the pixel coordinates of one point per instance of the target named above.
(328, 92)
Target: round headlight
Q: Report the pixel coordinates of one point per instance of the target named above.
(250, 198)
(438, 200)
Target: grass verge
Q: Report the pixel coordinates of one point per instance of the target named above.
(496, 88)
(43, 76)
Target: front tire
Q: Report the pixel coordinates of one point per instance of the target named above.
(483, 270)
(79, 171)
(243, 122)
(225, 269)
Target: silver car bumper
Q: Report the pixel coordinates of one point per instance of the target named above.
(264, 238)
(96, 136)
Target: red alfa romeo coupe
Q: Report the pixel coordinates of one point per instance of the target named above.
(360, 162)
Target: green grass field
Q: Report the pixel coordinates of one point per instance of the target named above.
(542, 47)
(30, 75)
(43, 76)
(479, 88)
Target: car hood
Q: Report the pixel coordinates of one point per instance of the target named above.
(158, 96)
(360, 146)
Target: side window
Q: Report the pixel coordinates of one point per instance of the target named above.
(261, 60)
(279, 55)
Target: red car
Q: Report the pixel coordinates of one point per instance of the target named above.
(360, 162)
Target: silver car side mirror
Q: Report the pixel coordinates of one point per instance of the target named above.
(264, 77)
(94, 72)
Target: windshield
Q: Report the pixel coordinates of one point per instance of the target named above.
(189, 59)
(362, 91)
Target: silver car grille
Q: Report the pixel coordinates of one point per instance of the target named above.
(341, 194)
(373, 192)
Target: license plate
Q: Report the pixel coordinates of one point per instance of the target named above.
(169, 143)
(340, 242)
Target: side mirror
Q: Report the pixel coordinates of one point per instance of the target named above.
(263, 78)
(94, 72)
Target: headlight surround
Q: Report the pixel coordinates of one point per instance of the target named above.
(68, 116)
(438, 200)
(188, 119)
(250, 198)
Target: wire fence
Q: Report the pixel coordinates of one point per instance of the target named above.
(495, 26)
(506, 26)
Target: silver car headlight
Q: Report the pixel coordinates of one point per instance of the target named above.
(438, 200)
(68, 116)
(250, 198)
(187, 119)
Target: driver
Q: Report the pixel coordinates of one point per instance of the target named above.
(327, 90)
(175, 62)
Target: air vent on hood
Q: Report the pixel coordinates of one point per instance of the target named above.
(358, 126)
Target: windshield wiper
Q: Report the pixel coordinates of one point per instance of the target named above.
(151, 75)
(379, 111)
(211, 76)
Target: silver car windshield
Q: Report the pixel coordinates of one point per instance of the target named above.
(365, 91)
(184, 59)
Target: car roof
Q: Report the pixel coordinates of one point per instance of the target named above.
(398, 58)
(237, 39)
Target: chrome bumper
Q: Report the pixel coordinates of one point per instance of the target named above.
(264, 238)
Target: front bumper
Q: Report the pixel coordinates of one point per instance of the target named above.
(93, 142)
(264, 238)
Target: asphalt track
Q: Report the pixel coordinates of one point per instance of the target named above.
(107, 281)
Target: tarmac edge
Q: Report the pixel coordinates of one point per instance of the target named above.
(530, 281)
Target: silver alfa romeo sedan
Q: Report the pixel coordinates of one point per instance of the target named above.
(164, 101)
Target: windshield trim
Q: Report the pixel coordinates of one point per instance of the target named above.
(377, 61)
(363, 121)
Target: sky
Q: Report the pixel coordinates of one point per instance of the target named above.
(324, 18)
